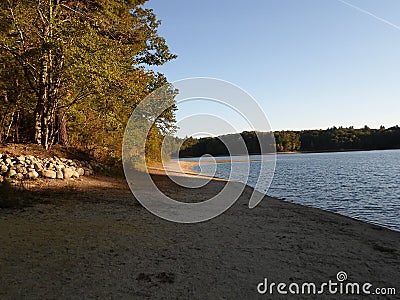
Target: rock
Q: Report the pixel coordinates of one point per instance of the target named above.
(68, 173)
(29, 166)
(60, 174)
(38, 167)
(88, 171)
(20, 169)
(11, 173)
(32, 174)
(59, 167)
(3, 169)
(49, 174)
(81, 171)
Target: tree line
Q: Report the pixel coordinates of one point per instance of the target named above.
(331, 139)
(71, 72)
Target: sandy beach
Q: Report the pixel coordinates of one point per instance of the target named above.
(92, 239)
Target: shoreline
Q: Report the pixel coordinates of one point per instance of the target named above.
(100, 242)
(187, 167)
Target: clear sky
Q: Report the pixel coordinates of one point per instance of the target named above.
(309, 63)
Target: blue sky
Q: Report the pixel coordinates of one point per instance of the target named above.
(309, 63)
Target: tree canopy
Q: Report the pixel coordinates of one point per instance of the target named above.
(72, 71)
(331, 139)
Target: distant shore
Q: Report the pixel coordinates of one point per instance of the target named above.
(298, 152)
(93, 239)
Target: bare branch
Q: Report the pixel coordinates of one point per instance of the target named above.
(77, 12)
(21, 34)
(76, 100)
(28, 68)
(42, 17)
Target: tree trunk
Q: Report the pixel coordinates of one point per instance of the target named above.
(62, 130)
(42, 100)
(38, 125)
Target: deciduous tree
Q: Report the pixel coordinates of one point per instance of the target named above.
(84, 61)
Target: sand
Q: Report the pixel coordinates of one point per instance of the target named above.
(94, 240)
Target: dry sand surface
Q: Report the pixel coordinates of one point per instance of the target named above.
(92, 239)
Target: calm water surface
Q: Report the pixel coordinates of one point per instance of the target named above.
(364, 184)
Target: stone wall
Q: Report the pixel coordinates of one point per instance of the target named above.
(31, 167)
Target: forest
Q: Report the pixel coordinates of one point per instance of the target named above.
(331, 139)
(72, 72)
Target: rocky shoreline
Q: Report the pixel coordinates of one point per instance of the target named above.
(31, 167)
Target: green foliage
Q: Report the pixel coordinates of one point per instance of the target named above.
(350, 139)
(16, 102)
(254, 143)
(78, 66)
(332, 139)
(287, 141)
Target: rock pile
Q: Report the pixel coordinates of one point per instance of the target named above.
(31, 167)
